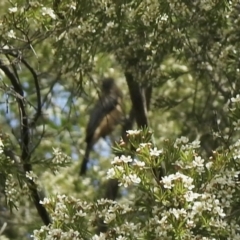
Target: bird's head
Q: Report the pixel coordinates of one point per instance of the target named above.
(107, 85)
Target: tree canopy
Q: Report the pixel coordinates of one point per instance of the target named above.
(177, 64)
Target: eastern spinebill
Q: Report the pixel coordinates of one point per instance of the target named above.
(106, 114)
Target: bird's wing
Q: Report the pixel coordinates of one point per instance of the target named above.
(103, 107)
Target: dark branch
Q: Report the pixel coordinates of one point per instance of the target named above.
(35, 77)
(138, 101)
(148, 95)
(141, 97)
(25, 139)
(13, 67)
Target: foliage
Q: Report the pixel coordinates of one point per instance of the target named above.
(52, 55)
(194, 202)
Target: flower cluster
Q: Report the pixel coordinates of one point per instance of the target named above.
(12, 191)
(181, 197)
(48, 12)
(168, 181)
(193, 200)
(184, 143)
(65, 212)
(73, 218)
(120, 164)
(59, 159)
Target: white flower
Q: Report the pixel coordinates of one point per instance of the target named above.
(60, 157)
(80, 213)
(198, 161)
(178, 212)
(104, 201)
(236, 99)
(167, 181)
(147, 45)
(219, 223)
(190, 196)
(126, 208)
(134, 178)
(138, 163)
(190, 223)
(122, 159)
(125, 159)
(30, 175)
(127, 180)
(197, 208)
(13, 9)
(110, 24)
(109, 217)
(143, 145)
(102, 236)
(111, 173)
(155, 152)
(164, 17)
(49, 12)
(195, 144)
(182, 139)
(183, 165)
(209, 165)
(61, 197)
(45, 201)
(134, 132)
(11, 34)
(11, 190)
(219, 211)
(174, 211)
(187, 183)
(116, 160)
(179, 141)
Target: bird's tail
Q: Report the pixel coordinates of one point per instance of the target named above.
(83, 168)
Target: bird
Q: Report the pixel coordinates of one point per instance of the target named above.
(106, 114)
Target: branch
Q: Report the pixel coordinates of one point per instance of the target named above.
(13, 67)
(39, 104)
(138, 112)
(25, 139)
(138, 101)
(35, 77)
(148, 94)
(141, 97)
